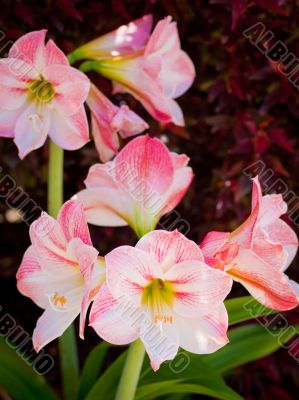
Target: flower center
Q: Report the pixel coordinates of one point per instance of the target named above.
(156, 295)
(41, 90)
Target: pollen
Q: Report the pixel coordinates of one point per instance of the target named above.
(59, 300)
(166, 319)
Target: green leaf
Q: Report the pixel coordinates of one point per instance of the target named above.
(19, 379)
(245, 308)
(155, 390)
(105, 387)
(92, 368)
(15, 386)
(196, 372)
(248, 343)
(69, 363)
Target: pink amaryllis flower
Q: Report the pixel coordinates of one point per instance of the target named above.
(142, 183)
(61, 271)
(123, 40)
(162, 292)
(155, 75)
(42, 95)
(258, 252)
(107, 120)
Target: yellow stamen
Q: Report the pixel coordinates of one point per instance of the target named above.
(59, 300)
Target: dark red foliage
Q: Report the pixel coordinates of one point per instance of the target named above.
(239, 110)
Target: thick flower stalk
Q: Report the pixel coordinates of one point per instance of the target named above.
(162, 292)
(258, 252)
(61, 271)
(42, 95)
(107, 120)
(156, 75)
(144, 182)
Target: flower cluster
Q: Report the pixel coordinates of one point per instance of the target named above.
(167, 290)
(44, 95)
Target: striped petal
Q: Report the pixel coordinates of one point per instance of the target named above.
(144, 168)
(50, 245)
(129, 270)
(213, 242)
(196, 286)
(62, 292)
(32, 280)
(86, 256)
(73, 222)
(53, 55)
(244, 233)
(268, 285)
(280, 232)
(178, 71)
(71, 87)
(181, 181)
(272, 253)
(14, 75)
(110, 321)
(271, 208)
(30, 48)
(169, 248)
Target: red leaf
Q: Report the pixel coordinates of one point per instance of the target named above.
(238, 8)
(276, 6)
(70, 9)
(261, 142)
(279, 137)
(236, 88)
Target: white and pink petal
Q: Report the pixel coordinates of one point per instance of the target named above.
(196, 287)
(169, 247)
(51, 325)
(73, 222)
(268, 285)
(31, 129)
(129, 271)
(144, 162)
(30, 48)
(50, 246)
(103, 206)
(108, 318)
(71, 87)
(206, 333)
(69, 132)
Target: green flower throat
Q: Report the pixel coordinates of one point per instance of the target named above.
(41, 90)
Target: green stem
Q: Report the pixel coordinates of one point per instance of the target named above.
(67, 342)
(55, 179)
(130, 375)
(69, 363)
